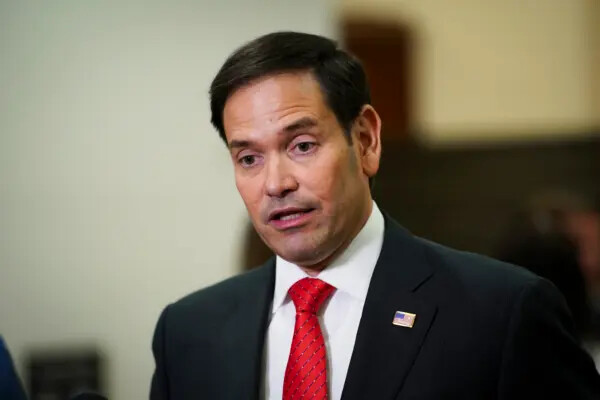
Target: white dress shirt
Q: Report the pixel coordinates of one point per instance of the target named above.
(339, 317)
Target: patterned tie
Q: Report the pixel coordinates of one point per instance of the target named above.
(306, 372)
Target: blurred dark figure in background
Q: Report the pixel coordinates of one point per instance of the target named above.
(554, 257)
(10, 385)
(583, 227)
(547, 239)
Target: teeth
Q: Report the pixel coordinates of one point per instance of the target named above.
(290, 216)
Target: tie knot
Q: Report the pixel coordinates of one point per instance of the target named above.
(308, 294)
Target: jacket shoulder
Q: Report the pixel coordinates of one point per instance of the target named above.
(227, 292)
(475, 272)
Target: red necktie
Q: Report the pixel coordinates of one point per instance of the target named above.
(306, 372)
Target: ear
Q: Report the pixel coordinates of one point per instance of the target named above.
(367, 136)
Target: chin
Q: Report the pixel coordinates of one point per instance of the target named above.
(301, 249)
(300, 256)
(294, 255)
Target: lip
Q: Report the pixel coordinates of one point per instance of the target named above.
(306, 214)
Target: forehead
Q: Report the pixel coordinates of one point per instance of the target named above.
(271, 102)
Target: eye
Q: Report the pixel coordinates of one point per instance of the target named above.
(247, 160)
(304, 147)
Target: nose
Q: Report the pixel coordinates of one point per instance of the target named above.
(280, 179)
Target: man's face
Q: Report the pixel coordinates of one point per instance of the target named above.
(304, 185)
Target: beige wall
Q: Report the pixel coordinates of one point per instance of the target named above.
(594, 46)
(501, 67)
(116, 195)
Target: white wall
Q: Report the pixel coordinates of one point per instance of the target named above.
(116, 195)
(503, 68)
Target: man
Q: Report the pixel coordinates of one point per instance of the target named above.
(353, 306)
(10, 385)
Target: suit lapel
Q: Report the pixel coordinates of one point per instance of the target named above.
(384, 353)
(246, 333)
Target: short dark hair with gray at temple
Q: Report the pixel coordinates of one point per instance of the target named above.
(340, 75)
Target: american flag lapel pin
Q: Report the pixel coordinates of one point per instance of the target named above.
(404, 319)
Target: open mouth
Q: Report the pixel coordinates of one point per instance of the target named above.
(291, 214)
(290, 218)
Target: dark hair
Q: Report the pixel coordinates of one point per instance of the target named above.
(340, 75)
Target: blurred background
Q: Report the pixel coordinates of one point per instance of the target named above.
(117, 196)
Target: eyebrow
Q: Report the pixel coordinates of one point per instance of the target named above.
(238, 143)
(302, 123)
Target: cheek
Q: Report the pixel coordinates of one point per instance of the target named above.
(329, 181)
(250, 194)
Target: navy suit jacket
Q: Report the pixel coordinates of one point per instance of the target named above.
(10, 386)
(483, 330)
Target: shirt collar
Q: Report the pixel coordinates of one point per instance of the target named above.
(350, 272)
